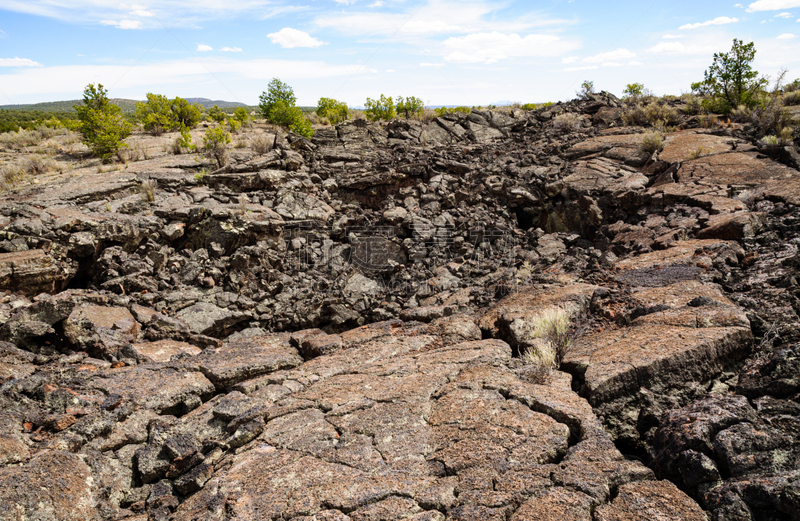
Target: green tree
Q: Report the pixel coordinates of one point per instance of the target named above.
(277, 91)
(216, 114)
(410, 106)
(156, 114)
(333, 110)
(101, 124)
(633, 90)
(382, 108)
(241, 115)
(187, 114)
(730, 81)
(587, 89)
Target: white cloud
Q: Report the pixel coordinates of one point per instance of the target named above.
(495, 46)
(231, 49)
(783, 15)
(390, 70)
(720, 20)
(170, 76)
(786, 36)
(569, 59)
(672, 36)
(204, 48)
(289, 38)
(426, 64)
(679, 48)
(772, 5)
(740, 6)
(575, 69)
(18, 62)
(611, 56)
(435, 17)
(123, 24)
(376, 4)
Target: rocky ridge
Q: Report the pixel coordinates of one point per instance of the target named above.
(331, 330)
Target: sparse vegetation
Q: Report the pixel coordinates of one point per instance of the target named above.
(379, 109)
(216, 114)
(261, 143)
(692, 104)
(183, 142)
(548, 337)
(441, 111)
(652, 114)
(149, 187)
(242, 116)
(698, 152)
(567, 122)
(102, 126)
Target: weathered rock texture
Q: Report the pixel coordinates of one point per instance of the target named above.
(343, 343)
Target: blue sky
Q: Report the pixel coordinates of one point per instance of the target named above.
(467, 52)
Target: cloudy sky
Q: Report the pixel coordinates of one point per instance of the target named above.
(447, 52)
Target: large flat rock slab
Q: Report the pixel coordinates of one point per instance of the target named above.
(247, 358)
(160, 387)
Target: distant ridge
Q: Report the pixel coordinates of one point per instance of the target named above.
(127, 105)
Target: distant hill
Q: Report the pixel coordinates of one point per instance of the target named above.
(207, 103)
(127, 105)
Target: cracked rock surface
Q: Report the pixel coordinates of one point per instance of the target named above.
(332, 330)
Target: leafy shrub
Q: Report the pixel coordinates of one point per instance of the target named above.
(741, 113)
(730, 81)
(234, 125)
(410, 106)
(184, 142)
(11, 176)
(652, 142)
(102, 126)
(333, 110)
(441, 111)
(302, 126)
(633, 90)
(215, 142)
(156, 114)
(217, 114)
(567, 122)
(277, 92)
(241, 115)
(382, 108)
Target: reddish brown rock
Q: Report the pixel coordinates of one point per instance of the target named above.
(651, 500)
(164, 350)
(54, 485)
(34, 271)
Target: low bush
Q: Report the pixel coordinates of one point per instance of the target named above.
(791, 98)
(651, 142)
(102, 126)
(650, 114)
(567, 122)
(548, 337)
(261, 143)
(149, 187)
(441, 111)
